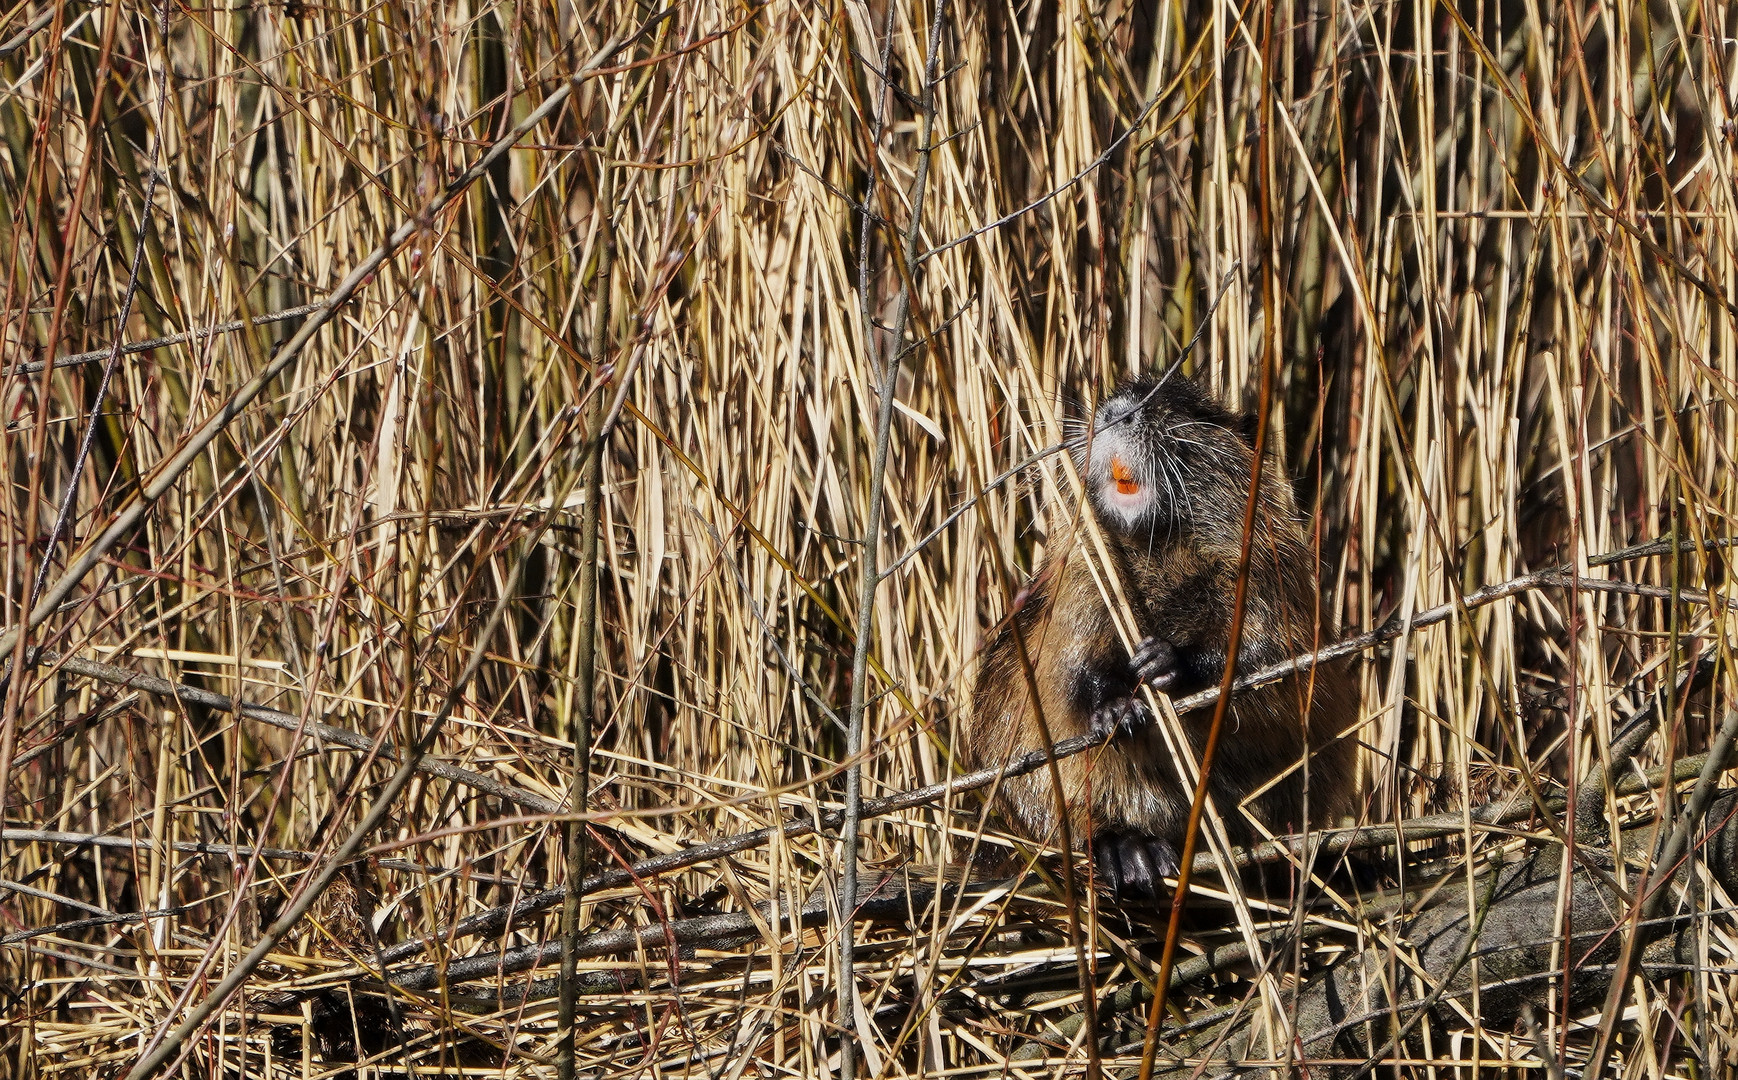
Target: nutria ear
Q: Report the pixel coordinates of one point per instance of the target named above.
(1246, 425)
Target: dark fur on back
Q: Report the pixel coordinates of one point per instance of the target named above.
(1175, 541)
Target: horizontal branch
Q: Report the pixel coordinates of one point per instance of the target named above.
(191, 847)
(1554, 577)
(228, 851)
(500, 918)
(30, 367)
(879, 897)
(157, 687)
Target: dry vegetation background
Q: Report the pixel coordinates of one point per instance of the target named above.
(1487, 246)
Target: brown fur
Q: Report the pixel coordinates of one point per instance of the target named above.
(1180, 576)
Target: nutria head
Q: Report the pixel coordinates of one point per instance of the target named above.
(1163, 461)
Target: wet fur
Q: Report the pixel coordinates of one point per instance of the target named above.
(1179, 571)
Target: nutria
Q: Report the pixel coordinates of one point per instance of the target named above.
(1166, 469)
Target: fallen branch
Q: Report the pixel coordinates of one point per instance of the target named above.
(880, 897)
(500, 918)
(1343, 1017)
(894, 896)
(228, 851)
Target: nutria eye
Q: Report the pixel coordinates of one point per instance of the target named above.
(1126, 484)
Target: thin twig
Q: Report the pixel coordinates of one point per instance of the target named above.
(112, 354)
(891, 355)
(17, 41)
(192, 695)
(1239, 599)
(110, 919)
(152, 344)
(581, 718)
(195, 847)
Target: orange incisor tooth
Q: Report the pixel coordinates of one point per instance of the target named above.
(1126, 483)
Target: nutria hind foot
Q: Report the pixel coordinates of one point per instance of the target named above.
(1134, 865)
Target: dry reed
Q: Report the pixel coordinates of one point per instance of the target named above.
(1498, 239)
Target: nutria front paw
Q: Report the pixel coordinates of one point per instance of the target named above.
(1155, 663)
(1120, 716)
(1134, 865)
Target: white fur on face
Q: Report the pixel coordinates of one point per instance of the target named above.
(1116, 452)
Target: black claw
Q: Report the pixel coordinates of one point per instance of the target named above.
(1137, 862)
(1134, 865)
(1155, 663)
(1165, 857)
(1104, 857)
(1123, 716)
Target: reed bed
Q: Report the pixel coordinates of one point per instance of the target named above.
(1485, 249)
